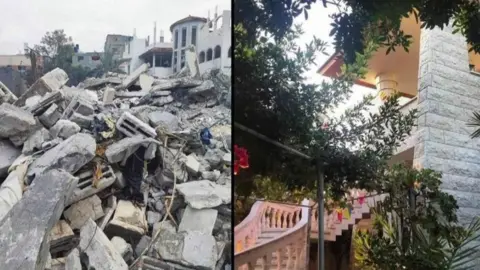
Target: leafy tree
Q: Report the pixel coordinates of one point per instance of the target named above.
(355, 19)
(415, 227)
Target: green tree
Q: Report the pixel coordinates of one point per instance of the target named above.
(353, 20)
(415, 227)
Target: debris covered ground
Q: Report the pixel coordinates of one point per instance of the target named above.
(118, 172)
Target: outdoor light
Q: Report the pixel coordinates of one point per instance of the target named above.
(386, 85)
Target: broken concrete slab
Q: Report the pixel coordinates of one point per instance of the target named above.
(191, 248)
(80, 212)
(132, 126)
(81, 120)
(142, 244)
(6, 95)
(62, 238)
(14, 120)
(150, 263)
(205, 194)
(192, 164)
(127, 82)
(123, 148)
(8, 155)
(166, 119)
(11, 189)
(35, 141)
(207, 87)
(123, 248)
(73, 260)
(128, 221)
(45, 102)
(100, 251)
(69, 155)
(24, 234)
(108, 210)
(178, 83)
(146, 82)
(78, 105)
(202, 220)
(108, 95)
(50, 116)
(64, 129)
(52, 81)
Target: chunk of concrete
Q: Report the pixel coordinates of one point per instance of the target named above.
(166, 119)
(166, 225)
(64, 129)
(14, 120)
(87, 185)
(8, 155)
(62, 238)
(153, 217)
(127, 82)
(192, 164)
(192, 248)
(122, 149)
(6, 95)
(146, 82)
(45, 102)
(24, 231)
(227, 159)
(69, 155)
(170, 84)
(131, 126)
(108, 95)
(73, 260)
(142, 244)
(108, 210)
(205, 194)
(80, 212)
(192, 61)
(11, 189)
(50, 116)
(123, 248)
(81, 120)
(150, 263)
(207, 87)
(35, 141)
(128, 221)
(52, 81)
(101, 253)
(202, 220)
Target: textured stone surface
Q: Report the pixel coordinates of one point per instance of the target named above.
(69, 155)
(117, 151)
(35, 141)
(202, 220)
(128, 221)
(64, 129)
(73, 260)
(101, 253)
(122, 247)
(80, 212)
(165, 119)
(205, 194)
(24, 231)
(14, 120)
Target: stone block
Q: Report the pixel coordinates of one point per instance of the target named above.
(130, 80)
(86, 186)
(52, 81)
(202, 220)
(46, 102)
(122, 149)
(128, 221)
(8, 155)
(100, 251)
(70, 155)
(192, 164)
(89, 208)
(24, 235)
(50, 116)
(62, 238)
(206, 88)
(82, 120)
(108, 210)
(165, 119)
(146, 82)
(153, 217)
(78, 105)
(205, 194)
(142, 244)
(14, 120)
(64, 129)
(123, 248)
(35, 141)
(132, 126)
(108, 95)
(191, 248)
(73, 260)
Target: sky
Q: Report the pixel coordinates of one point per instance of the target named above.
(88, 22)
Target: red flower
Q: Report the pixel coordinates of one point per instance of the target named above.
(325, 125)
(241, 159)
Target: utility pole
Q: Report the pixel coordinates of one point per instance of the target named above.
(321, 211)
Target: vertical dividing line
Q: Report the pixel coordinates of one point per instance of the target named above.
(320, 199)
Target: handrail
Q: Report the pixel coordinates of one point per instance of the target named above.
(289, 247)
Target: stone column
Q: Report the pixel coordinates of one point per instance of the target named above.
(448, 95)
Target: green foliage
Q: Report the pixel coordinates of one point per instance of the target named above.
(415, 227)
(355, 20)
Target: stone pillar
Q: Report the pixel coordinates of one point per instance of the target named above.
(448, 95)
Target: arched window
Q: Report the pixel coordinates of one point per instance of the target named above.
(209, 54)
(230, 52)
(201, 57)
(218, 51)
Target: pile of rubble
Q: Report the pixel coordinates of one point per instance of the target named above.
(119, 171)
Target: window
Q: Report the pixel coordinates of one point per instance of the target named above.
(194, 35)
(201, 57)
(184, 36)
(80, 58)
(182, 56)
(230, 52)
(209, 54)
(174, 69)
(175, 41)
(175, 58)
(182, 64)
(218, 51)
(128, 48)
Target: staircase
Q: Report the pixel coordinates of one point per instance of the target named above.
(274, 236)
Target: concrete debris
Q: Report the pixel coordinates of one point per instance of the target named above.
(105, 156)
(6, 95)
(98, 249)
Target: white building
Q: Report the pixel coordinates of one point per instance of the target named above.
(211, 38)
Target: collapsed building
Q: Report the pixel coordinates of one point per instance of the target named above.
(121, 171)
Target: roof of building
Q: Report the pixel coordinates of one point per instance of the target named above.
(187, 19)
(156, 50)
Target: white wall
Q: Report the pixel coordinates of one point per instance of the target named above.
(221, 36)
(161, 72)
(179, 27)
